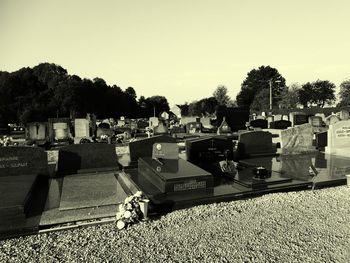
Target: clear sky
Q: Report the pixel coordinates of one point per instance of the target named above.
(181, 49)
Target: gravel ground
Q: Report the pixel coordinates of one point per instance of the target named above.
(308, 226)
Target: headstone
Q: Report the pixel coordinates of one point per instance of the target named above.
(37, 131)
(259, 123)
(278, 117)
(81, 129)
(285, 117)
(90, 157)
(260, 117)
(22, 160)
(297, 139)
(184, 120)
(280, 125)
(322, 115)
(332, 119)
(164, 115)
(255, 142)
(338, 139)
(298, 118)
(161, 128)
(143, 147)
(165, 151)
(270, 119)
(315, 121)
(224, 128)
(343, 115)
(153, 122)
(61, 131)
(321, 139)
(206, 122)
(193, 127)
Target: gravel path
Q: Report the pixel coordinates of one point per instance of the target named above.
(308, 226)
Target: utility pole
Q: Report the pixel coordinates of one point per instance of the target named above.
(270, 83)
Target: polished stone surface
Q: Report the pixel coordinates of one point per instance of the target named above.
(90, 190)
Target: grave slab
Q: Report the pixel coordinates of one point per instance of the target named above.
(90, 190)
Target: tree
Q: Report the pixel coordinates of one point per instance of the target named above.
(131, 92)
(220, 94)
(344, 94)
(156, 104)
(290, 97)
(261, 100)
(257, 80)
(319, 92)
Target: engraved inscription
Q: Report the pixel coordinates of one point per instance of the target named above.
(190, 185)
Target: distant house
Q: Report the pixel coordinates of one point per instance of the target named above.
(176, 110)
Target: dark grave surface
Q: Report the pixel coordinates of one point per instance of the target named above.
(331, 169)
(300, 119)
(321, 140)
(174, 175)
(254, 143)
(280, 125)
(89, 157)
(90, 190)
(259, 123)
(17, 160)
(143, 147)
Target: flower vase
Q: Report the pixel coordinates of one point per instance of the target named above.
(144, 207)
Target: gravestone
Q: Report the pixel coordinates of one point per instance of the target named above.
(162, 128)
(322, 115)
(297, 139)
(278, 117)
(298, 118)
(194, 127)
(165, 115)
(315, 121)
(331, 119)
(184, 120)
(81, 130)
(270, 119)
(21, 160)
(37, 132)
(343, 115)
(338, 139)
(255, 142)
(285, 117)
(280, 125)
(259, 123)
(20, 168)
(90, 157)
(260, 117)
(143, 147)
(321, 140)
(153, 122)
(224, 128)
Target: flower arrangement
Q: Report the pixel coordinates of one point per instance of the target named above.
(132, 210)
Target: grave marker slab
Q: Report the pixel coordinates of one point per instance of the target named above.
(315, 121)
(339, 138)
(297, 139)
(259, 123)
(255, 142)
(332, 119)
(343, 115)
(281, 124)
(77, 158)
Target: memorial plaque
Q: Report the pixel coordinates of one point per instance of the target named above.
(81, 128)
(19, 160)
(143, 147)
(165, 151)
(187, 177)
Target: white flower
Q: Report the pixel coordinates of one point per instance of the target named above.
(119, 215)
(138, 194)
(120, 224)
(121, 208)
(127, 214)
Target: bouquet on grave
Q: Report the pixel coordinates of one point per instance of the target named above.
(130, 211)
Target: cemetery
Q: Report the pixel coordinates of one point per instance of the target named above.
(71, 175)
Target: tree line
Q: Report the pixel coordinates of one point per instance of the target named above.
(47, 90)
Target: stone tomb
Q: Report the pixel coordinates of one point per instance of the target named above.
(90, 157)
(194, 127)
(259, 123)
(338, 139)
(255, 142)
(297, 139)
(20, 168)
(171, 175)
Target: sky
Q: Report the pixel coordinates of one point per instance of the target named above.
(180, 49)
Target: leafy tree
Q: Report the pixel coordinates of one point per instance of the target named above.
(290, 97)
(344, 94)
(184, 109)
(131, 92)
(156, 104)
(319, 92)
(261, 100)
(220, 94)
(257, 80)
